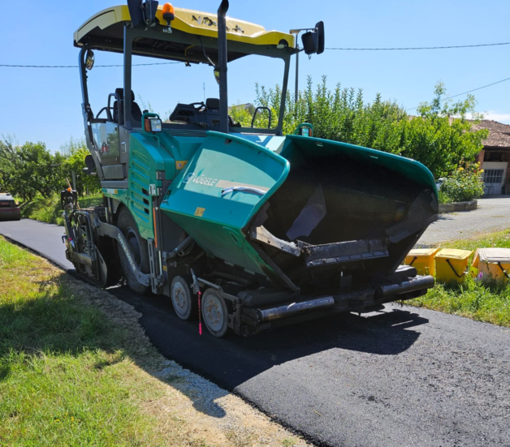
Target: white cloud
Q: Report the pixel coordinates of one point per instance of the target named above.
(495, 116)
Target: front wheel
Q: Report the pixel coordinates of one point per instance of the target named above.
(214, 313)
(184, 305)
(126, 223)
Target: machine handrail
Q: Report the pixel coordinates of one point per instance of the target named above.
(247, 189)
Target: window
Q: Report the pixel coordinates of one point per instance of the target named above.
(493, 175)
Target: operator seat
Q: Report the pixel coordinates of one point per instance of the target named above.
(136, 112)
(206, 115)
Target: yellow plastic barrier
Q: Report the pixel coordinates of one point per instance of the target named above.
(451, 264)
(423, 260)
(492, 264)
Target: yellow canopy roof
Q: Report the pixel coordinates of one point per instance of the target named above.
(105, 25)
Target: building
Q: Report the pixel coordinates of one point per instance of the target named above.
(495, 157)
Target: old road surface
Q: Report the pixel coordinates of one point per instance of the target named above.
(402, 377)
(493, 214)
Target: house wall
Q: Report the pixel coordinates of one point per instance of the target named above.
(497, 188)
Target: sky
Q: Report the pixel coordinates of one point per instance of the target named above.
(45, 104)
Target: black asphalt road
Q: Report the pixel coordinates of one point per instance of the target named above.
(43, 238)
(402, 377)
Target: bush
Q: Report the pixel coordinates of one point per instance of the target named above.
(342, 114)
(464, 184)
(49, 210)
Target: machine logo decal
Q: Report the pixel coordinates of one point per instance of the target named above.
(204, 21)
(200, 180)
(199, 212)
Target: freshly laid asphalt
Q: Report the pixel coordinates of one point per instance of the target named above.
(402, 377)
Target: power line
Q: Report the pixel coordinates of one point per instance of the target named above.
(469, 91)
(479, 88)
(76, 66)
(422, 48)
(331, 49)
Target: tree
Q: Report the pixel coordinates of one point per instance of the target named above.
(439, 137)
(75, 163)
(29, 169)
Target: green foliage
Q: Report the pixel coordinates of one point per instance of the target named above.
(44, 209)
(49, 210)
(75, 153)
(441, 139)
(29, 170)
(472, 299)
(464, 184)
(434, 138)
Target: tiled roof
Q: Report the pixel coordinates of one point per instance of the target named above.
(499, 133)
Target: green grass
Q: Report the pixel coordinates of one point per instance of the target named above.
(74, 375)
(68, 375)
(49, 210)
(472, 298)
(500, 239)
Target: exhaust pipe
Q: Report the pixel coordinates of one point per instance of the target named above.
(293, 309)
(414, 284)
(222, 64)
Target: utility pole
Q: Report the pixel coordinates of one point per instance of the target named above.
(296, 33)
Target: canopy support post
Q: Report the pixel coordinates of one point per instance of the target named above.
(222, 65)
(128, 63)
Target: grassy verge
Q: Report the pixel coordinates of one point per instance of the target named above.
(483, 302)
(48, 209)
(76, 370)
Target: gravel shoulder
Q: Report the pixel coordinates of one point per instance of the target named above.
(209, 413)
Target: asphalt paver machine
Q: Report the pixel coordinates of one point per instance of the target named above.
(253, 228)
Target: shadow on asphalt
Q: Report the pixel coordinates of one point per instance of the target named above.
(231, 361)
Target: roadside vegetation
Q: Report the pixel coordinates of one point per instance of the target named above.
(76, 369)
(31, 170)
(433, 137)
(35, 176)
(439, 136)
(472, 298)
(463, 184)
(48, 209)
